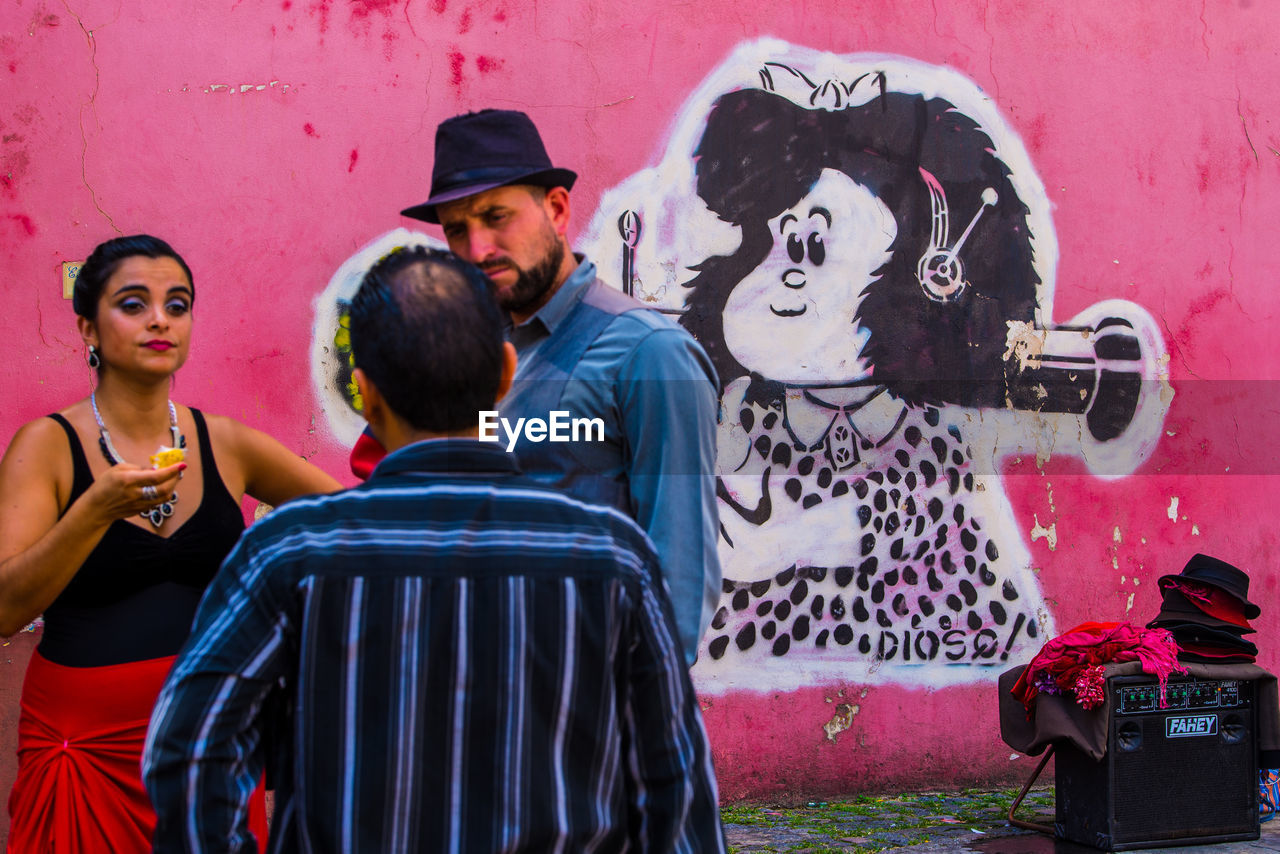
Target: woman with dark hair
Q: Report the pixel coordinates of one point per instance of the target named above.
(116, 552)
(883, 254)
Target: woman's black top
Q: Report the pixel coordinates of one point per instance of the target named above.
(134, 597)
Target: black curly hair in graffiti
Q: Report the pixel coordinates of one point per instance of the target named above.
(761, 153)
(102, 263)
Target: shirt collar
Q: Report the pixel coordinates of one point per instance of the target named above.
(810, 413)
(562, 301)
(447, 456)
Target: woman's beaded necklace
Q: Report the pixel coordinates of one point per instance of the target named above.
(156, 515)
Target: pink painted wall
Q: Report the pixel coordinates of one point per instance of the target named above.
(270, 142)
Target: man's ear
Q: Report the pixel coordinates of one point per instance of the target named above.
(508, 369)
(556, 205)
(373, 406)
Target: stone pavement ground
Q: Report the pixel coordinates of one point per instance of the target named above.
(969, 822)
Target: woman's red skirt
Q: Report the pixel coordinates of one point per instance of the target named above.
(80, 738)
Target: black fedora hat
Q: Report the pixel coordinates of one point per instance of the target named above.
(1177, 608)
(1218, 639)
(479, 151)
(1220, 574)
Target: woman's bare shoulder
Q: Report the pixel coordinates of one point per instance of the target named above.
(246, 446)
(38, 458)
(228, 432)
(42, 434)
(272, 472)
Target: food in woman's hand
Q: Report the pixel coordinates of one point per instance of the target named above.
(167, 456)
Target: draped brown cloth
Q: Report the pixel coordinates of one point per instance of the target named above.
(1056, 718)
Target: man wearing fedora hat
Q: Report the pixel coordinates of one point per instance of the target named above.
(587, 351)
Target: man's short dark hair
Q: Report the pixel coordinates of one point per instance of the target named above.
(426, 330)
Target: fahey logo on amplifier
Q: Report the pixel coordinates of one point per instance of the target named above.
(1190, 725)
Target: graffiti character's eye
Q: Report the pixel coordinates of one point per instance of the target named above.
(795, 248)
(817, 252)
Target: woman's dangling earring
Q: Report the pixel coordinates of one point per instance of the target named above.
(92, 358)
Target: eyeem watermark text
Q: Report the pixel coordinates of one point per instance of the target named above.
(560, 428)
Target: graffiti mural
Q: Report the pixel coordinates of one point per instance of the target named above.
(865, 251)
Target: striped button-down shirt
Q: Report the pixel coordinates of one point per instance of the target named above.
(446, 658)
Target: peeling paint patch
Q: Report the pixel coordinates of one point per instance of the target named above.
(843, 719)
(1173, 509)
(1023, 342)
(1050, 533)
(1116, 536)
(1195, 530)
(1166, 390)
(1129, 605)
(242, 88)
(1043, 620)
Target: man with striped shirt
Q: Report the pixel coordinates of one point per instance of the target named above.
(446, 658)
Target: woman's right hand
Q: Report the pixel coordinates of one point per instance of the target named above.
(125, 489)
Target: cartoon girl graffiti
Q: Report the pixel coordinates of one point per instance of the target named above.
(844, 324)
(864, 248)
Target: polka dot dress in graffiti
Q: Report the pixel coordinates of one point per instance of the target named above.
(873, 546)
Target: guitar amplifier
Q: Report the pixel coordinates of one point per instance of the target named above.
(1183, 774)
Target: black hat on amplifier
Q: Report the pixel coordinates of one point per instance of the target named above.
(1205, 657)
(1175, 608)
(1206, 636)
(1220, 574)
